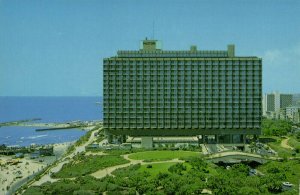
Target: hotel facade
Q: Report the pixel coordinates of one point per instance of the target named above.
(152, 92)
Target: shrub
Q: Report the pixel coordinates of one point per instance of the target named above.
(178, 168)
(83, 192)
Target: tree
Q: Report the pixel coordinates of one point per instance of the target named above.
(276, 127)
(194, 188)
(248, 191)
(199, 164)
(241, 169)
(83, 192)
(178, 168)
(298, 136)
(273, 182)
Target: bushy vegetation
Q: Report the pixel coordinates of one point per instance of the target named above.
(293, 142)
(276, 172)
(276, 127)
(190, 177)
(178, 168)
(297, 136)
(83, 165)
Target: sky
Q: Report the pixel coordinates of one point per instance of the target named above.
(56, 47)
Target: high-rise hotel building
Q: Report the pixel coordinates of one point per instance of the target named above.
(152, 92)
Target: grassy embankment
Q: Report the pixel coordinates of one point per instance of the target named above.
(293, 142)
(274, 142)
(83, 165)
(282, 152)
(149, 156)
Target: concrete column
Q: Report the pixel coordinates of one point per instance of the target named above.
(217, 139)
(124, 138)
(199, 140)
(230, 139)
(204, 141)
(147, 142)
(109, 138)
(244, 139)
(255, 137)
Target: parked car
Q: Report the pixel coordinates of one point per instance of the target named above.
(252, 172)
(287, 184)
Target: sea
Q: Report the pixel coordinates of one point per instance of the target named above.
(48, 109)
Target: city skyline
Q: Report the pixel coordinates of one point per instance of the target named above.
(55, 48)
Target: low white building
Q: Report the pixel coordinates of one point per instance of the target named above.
(293, 113)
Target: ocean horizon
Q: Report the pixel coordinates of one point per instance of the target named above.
(48, 109)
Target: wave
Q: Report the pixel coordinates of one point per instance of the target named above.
(37, 136)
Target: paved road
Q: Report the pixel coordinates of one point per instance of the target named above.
(56, 168)
(237, 153)
(232, 153)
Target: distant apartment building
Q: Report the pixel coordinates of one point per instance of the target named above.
(269, 103)
(273, 103)
(296, 100)
(153, 92)
(293, 113)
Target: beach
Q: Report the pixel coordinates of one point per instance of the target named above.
(16, 171)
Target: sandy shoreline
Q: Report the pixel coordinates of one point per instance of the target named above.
(13, 170)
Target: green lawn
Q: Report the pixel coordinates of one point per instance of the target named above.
(162, 155)
(163, 168)
(84, 165)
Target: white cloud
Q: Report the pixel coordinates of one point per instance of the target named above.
(281, 69)
(272, 56)
(283, 57)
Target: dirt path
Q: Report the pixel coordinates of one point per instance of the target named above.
(108, 171)
(95, 153)
(284, 144)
